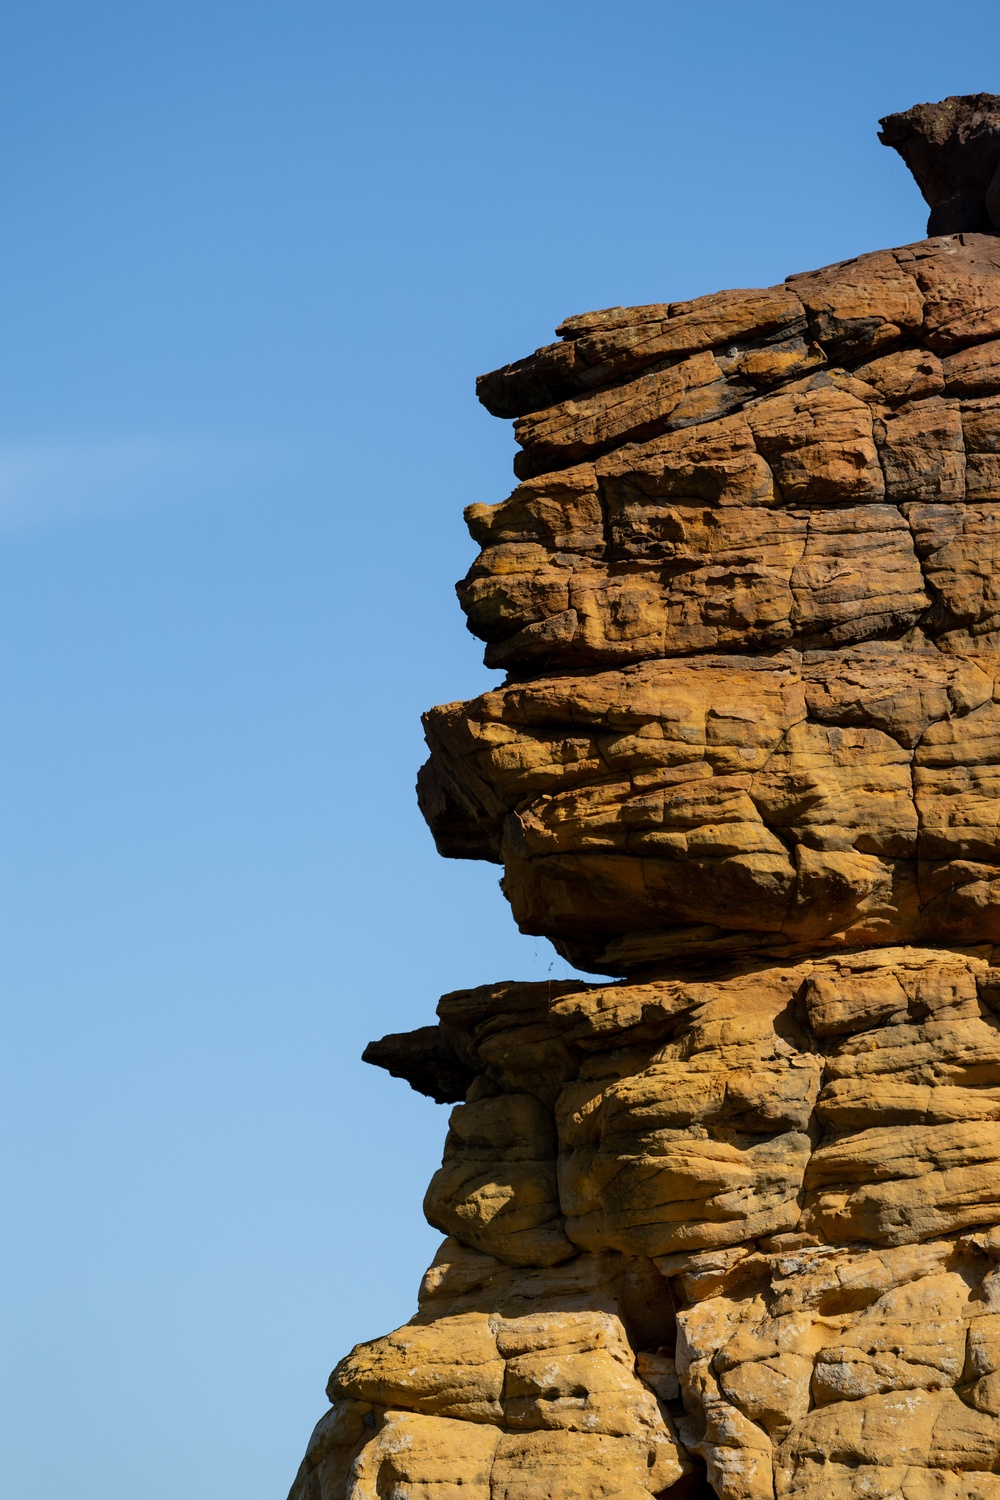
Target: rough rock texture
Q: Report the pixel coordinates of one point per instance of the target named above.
(953, 150)
(729, 1225)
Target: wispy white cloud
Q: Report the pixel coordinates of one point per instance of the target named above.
(51, 481)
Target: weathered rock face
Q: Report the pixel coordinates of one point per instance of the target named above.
(730, 1225)
(788, 584)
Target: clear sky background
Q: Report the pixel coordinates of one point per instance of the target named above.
(253, 256)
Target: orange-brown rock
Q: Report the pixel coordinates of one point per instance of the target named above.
(680, 809)
(729, 1226)
(777, 508)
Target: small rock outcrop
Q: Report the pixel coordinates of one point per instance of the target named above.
(727, 1222)
(953, 151)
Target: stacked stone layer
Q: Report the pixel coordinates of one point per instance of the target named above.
(729, 1225)
(788, 585)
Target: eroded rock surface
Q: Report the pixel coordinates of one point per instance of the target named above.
(730, 1224)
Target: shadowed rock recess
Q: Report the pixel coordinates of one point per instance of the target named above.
(727, 1220)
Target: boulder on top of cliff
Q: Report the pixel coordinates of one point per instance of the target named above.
(953, 150)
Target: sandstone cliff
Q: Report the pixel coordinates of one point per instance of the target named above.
(730, 1225)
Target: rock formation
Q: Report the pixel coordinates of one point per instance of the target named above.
(728, 1224)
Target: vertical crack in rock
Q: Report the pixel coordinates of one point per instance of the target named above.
(725, 1220)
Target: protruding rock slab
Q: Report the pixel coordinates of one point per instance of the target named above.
(680, 809)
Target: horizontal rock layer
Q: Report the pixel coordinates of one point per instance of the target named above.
(833, 488)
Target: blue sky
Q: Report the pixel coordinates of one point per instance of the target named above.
(253, 257)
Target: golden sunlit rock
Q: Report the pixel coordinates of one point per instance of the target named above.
(727, 1224)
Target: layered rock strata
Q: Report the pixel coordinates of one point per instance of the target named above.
(729, 1225)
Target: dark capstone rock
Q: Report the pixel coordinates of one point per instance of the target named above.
(953, 150)
(425, 1059)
